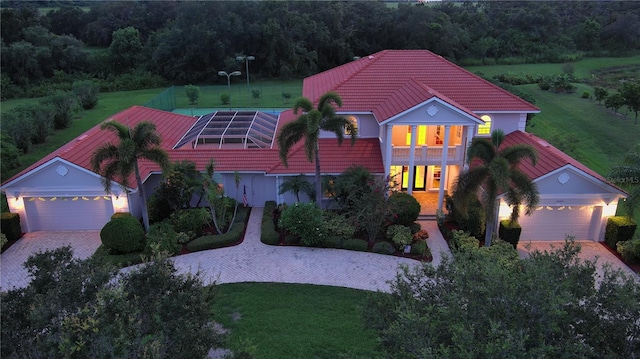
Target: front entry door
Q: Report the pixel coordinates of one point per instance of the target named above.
(420, 178)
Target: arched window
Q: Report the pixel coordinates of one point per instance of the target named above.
(354, 122)
(485, 129)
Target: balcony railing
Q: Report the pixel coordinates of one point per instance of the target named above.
(426, 154)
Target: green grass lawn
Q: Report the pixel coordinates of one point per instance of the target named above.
(242, 97)
(583, 68)
(295, 321)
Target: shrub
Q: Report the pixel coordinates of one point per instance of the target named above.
(10, 154)
(123, 235)
(419, 248)
(193, 93)
(192, 220)
(463, 242)
(3, 240)
(162, 238)
(225, 98)
(87, 93)
(630, 250)
(383, 248)
(586, 94)
(331, 242)
(473, 222)
(421, 235)
(337, 225)
(400, 235)
(269, 234)
(355, 244)
(158, 208)
(415, 227)
(619, 228)
(304, 220)
(502, 251)
(292, 239)
(405, 208)
(509, 231)
(19, 129)
(65, 104)
(10, 225)
(218, 241)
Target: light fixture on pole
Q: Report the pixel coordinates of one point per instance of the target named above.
(246, 60)
(224, 73)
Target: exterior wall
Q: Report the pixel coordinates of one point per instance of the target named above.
(368, 127)
(508, 122)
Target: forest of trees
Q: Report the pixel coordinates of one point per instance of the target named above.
(188, 42)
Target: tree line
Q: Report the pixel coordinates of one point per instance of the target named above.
(188, 42)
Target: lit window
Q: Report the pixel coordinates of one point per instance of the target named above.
(485, 129)
(354, 124)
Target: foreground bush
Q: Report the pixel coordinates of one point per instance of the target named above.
(77, 309)
(404, 207)
(123, 235)
(546, 306)
(303, 220)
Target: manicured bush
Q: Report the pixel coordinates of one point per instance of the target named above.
(10, 225)
(355, 244)
(630, 250)
(123, 235)
(304, 220)
(162, 238)
(225, 98)
(193, 220)
(586, 94)
(383, 248)
(418, 248)
(509, 231)
(337, 225)
(218, 241)
(269, 234)
(400, 235)
(463, 242)
(619, 228)
(332, 242)
(404, 207)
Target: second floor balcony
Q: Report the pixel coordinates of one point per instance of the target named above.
(426, 155)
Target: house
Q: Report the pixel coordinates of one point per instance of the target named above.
(416, 113)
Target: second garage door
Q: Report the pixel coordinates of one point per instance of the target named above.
(68, 213)
(554, 223)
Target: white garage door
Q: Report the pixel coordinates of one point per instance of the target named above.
(61, 214)
(554, 223)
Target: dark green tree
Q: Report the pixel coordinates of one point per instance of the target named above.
(631, 93)
(295, 184)
(614, 102)
(125, 49)
(116, 162)
(308, 126)
(496, 172)
(10, 154)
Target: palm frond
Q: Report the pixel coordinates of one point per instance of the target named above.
(329, 98)
(516, 153)
(118, 128)
(482, 149)
(289, 135)
(337, 125)
(145, 135)
(527, 190)
(159, 156)
(303, 104)
(468, 185)
(499, 172)
(497, 137)
(103, 153)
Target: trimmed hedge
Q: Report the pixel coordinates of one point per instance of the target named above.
(120, 215)
(123, 235)
(383, 248)
(331, 242)
(619, 228)
(10, 225)
(355, 244)
(217, 241)
(629, 250)
(509, 231)
(269, 234)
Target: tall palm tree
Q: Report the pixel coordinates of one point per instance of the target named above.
(118, 161)
(496, 173)
(627, 176)
(309, 125)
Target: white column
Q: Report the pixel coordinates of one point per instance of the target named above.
(471, 130)
(443, 165)
(388, 150)
(412, 158)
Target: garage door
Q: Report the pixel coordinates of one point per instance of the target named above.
(68, 213)
(554, 223)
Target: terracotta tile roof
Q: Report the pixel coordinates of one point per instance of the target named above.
(172, 127)
(371, 82)
(549, 157)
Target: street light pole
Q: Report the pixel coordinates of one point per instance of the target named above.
(246, 60)
(224, 73)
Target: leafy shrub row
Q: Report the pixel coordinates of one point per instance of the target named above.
(619, 228)
(383, 248)
(222, 240)
(269, 234)
(629, 250)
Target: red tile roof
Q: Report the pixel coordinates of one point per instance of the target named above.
(374, 83)
(549, 157)
(172, 127)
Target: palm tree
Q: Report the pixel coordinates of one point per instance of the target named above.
(496, 173)
(122, 159)
(295, 185)
(627, 175)
(309, 125)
